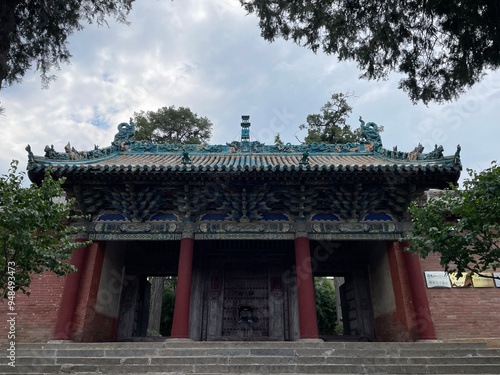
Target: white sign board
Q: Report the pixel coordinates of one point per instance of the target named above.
(437, 279)
(497, 281)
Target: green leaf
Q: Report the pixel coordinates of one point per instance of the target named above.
(35, 233)
(462, 226)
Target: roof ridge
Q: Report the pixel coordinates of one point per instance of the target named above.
(124, 143)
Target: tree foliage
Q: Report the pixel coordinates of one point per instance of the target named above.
(440, 47)
(462, 225)
(34, 231)
(35, 33)
(326, 309)
(168, 302)
(330, 126)
(174, 125)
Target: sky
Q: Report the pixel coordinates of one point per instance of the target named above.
(209, 56)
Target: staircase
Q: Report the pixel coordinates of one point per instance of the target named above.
(183, 357)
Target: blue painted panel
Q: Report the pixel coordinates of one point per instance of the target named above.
(273, 216)
(111, 217)
(214, 217)
(378, 216)
(323, 216)
(164, 216)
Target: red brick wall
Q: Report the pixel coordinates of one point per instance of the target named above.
(37, 313)
(462, 312)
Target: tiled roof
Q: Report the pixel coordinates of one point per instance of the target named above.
(206, 162)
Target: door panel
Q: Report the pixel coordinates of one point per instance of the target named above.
(215, 299)
(245, 299)
(357, 310)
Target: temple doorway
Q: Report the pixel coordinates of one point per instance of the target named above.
(246, 295)
(342, 311)
(247, 289)
(349, 266)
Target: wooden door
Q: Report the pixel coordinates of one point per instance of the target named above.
(357, 308)
(245, 299)
(245, 307)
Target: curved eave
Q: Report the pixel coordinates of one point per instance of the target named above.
(155, 164)
(68, 169)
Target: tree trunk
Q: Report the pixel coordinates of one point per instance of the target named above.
(155, 303)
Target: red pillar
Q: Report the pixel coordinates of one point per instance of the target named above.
(305, 290)
(88, 326)
(402, 299)
(423, 316)
(65, 316)
(180, 324)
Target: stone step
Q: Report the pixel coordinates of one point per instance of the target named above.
(291, 352)
(260, 345)
(246, 360)
(181, 357)
(255, 369)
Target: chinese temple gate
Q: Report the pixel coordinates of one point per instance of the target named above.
(245, 227)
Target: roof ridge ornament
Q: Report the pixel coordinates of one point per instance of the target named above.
(456, 158)
(185, 157)
(305, 158)
(125, 133)
(245, 128)
(371, 133)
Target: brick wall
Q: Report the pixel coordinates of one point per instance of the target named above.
(37, 313)
(462, 312)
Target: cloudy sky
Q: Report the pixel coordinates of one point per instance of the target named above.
(209, 56)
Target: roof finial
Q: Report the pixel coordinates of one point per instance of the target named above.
(245, 128)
